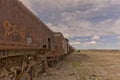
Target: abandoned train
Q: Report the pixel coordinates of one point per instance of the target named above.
(27, 46)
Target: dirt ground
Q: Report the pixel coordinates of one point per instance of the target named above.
(86, 65)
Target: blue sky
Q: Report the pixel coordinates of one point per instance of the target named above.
(88, 24)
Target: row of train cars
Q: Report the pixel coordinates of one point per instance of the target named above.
(27, 46)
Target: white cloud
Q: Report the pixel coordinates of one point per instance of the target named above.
(54, 4)
(116, 26)
(72, 26)
(62, 5)
(95, 37)
(118, 37)
(75, 43)
(115, 2)
(90, 43)
(73, 17)
(75, 27)
(61, 28)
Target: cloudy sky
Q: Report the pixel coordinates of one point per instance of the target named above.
(88, 24)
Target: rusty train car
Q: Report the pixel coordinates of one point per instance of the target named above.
(27, 45)
(62, 48)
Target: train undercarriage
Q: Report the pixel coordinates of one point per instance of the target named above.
(27, 66)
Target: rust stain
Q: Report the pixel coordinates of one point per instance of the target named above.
(12, 29)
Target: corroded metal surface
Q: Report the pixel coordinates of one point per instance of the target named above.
(20, 25)
(27, 45)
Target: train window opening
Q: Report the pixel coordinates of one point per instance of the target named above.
(18, 72)
(49, 43)
(44, 46)
(55, 46)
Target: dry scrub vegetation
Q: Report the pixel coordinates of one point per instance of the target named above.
(87, 65)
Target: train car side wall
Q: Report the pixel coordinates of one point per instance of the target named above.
(18, 24)
(60, 43)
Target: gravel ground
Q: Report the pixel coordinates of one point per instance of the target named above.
(86, 65)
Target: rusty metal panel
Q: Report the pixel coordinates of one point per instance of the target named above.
(60, 45)
(18, 24)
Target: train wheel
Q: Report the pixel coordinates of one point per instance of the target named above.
(36, 71)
